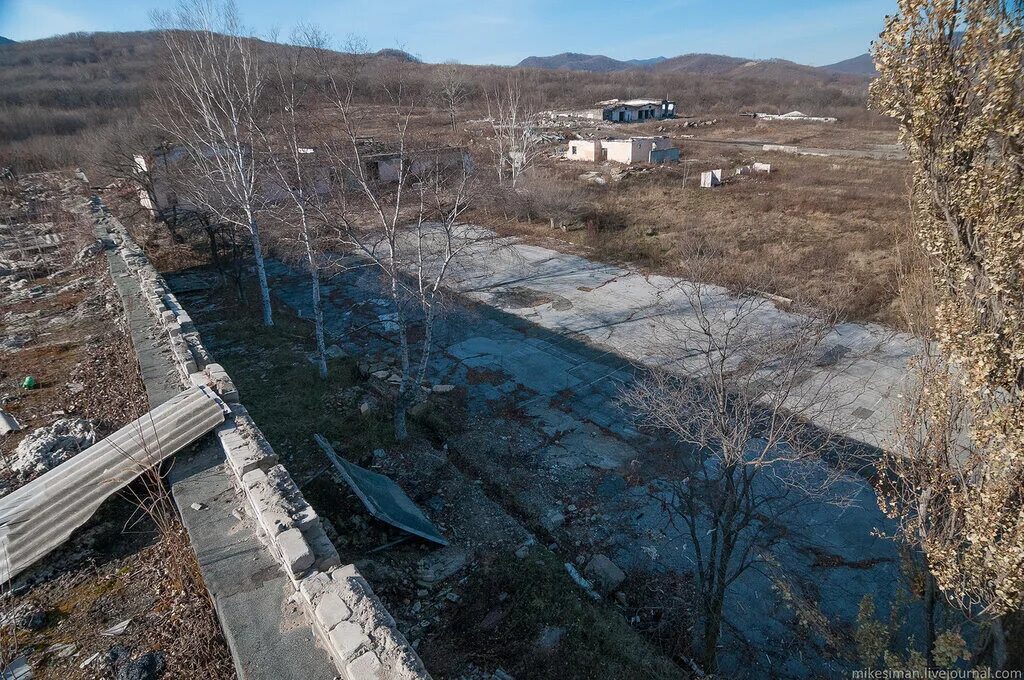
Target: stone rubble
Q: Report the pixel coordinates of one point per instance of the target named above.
(49, 446)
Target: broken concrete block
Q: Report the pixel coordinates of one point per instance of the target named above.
(295, 554)
(440, 564)
(314, 586)
(254, 478)
(347, 638)
(8, 423)
(222, 383)
(604, 573)
(324, 552)
(331, 611)
(442, 389)
(366, 665)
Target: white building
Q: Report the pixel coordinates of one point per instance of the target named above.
(626, 151)
(636, 110)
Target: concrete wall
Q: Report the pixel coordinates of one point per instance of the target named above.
(584, 150)
(622, 150)
(640, 150)
(342, 610)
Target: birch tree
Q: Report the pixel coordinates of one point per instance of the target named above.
(515, 145)
(400, 214)
(213, 107)
(452, 91)
(298, 181)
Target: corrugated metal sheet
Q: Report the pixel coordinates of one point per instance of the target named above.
(41, 515)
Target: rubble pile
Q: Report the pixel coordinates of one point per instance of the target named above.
(47, 447)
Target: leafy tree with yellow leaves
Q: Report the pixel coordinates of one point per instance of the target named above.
(952, 76)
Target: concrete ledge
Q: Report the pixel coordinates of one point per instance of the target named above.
(347, 618)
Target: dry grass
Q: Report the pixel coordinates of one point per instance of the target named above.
(823, 230)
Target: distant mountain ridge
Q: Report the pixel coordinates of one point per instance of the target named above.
(862, 64)
(6, 41)
(704, 64)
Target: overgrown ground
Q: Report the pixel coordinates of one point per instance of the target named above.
(62, 324)
(830, 231)
(493, 613)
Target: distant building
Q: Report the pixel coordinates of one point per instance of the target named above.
(620, 111)
(636, 110)
(626, 151)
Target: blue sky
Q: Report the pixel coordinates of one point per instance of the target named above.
(812, 32)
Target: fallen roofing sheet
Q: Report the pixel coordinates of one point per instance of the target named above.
(41, 515)
(382, 497)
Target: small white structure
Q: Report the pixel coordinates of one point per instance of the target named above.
(711, 178)
(797, 116)
(755, 167)
(626, 151)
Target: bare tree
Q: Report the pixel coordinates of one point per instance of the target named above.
(298, 181)
(452, 90)
(740, 397)
(213, 107)
(399, 209)
(515, 144)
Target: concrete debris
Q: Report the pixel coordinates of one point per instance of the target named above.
(795, 116)
(48, 447)
(8, 423)
(384, 499)
(593, 177)
(581, 582)
(61, 649)
(90, 250)
(116, 629)
(17, 670)
(604, 573)
(440, 565)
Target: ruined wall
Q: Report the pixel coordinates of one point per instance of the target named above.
(345, 615)
(585, 150)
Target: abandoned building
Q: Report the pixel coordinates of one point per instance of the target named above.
(623, 111)
(155, 173)
(636, 110)
(626, 151)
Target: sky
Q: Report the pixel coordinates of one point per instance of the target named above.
(814, 32)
